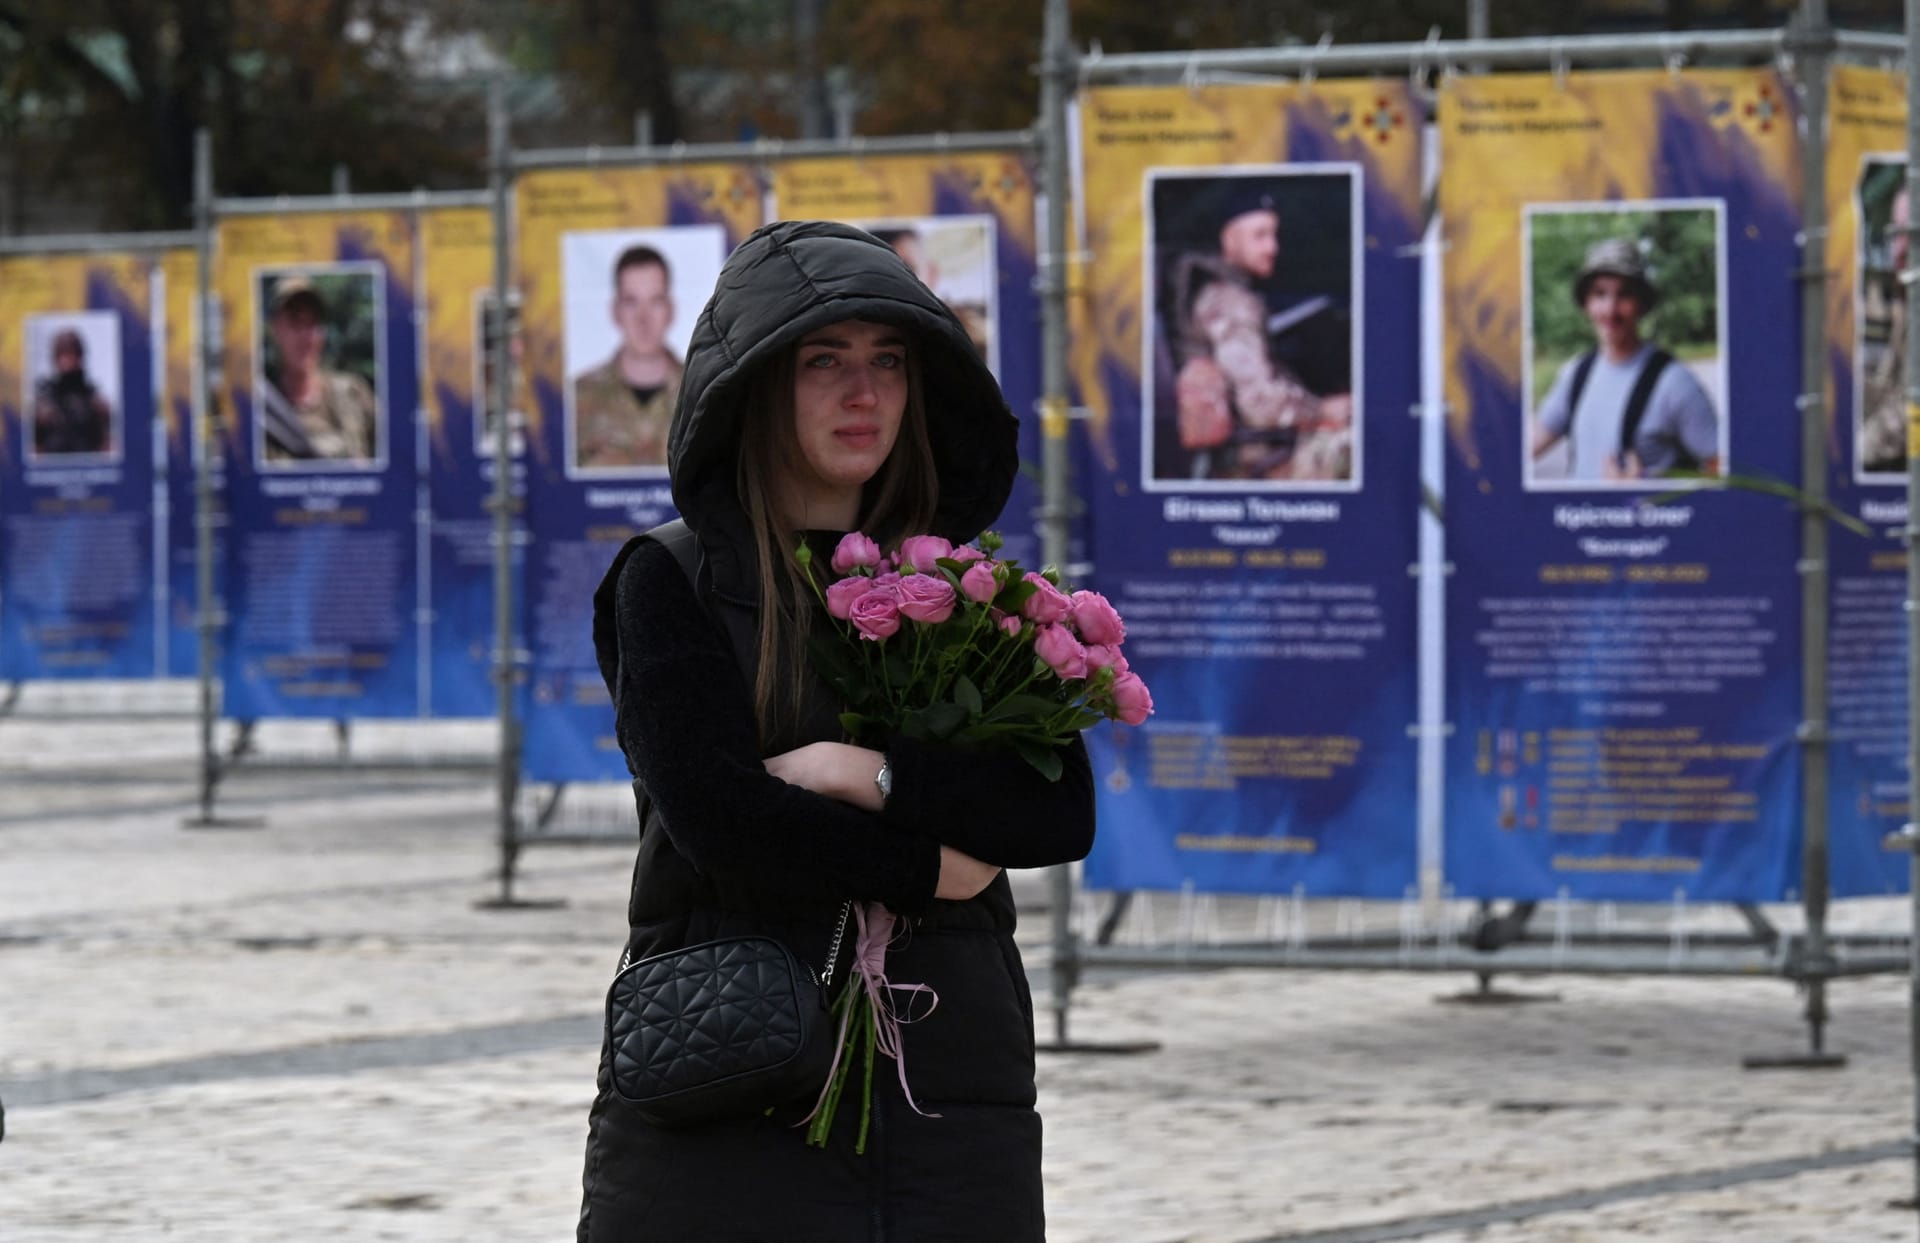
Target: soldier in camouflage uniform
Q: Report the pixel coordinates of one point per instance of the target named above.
(623, 407)
(1243, 414)
(309, 412)
(69, 414)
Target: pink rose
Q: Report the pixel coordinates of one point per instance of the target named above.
(841, 595)
(1046, 605)
(926, 597)
(876, 613)
(1105, 655)
(921, 551)
(1010, 623)
(1095, 619)
(1131, 702)
(855, 551)
(979, 583)
(1062, 652)
(965, 553)
(886, 578)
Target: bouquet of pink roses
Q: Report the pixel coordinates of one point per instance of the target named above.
(946, 643)
(951, 644)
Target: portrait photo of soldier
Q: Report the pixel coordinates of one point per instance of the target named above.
(485, 400)
(1880, 321)
(1624, 358)
(73, 381)
(1253, 287)
(629, 299)
(956, 258)
(319, 362)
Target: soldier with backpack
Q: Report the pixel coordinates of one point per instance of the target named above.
(1625, 408)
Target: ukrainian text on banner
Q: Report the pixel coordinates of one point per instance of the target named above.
(613, 268)
(1866, 370)
(1623, 636)
(965, 224)
(457, 260)
(179, 364)
(77, 565)
(1253, 295)
(320, 375)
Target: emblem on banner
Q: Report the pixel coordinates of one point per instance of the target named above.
(1382, 119)
(1763, 110)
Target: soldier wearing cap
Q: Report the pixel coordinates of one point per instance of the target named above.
(622, 408)
(69, 414)
(310, 412)
(1243, 414)
(1624, 409)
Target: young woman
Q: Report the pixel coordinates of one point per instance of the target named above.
(826, 390)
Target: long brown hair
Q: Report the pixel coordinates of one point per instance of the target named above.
(897, 502)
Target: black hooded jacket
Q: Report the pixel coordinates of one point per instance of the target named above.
(727, 847)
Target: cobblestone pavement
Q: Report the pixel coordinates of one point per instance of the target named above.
(309, 1030)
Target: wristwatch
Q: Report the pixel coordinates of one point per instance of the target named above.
(883, 780)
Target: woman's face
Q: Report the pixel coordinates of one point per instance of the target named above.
(849, 395)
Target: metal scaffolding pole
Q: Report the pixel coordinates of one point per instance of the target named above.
(209, 613)
(96, 243)
(505, 666)
(311, 204)
(1812, 44)
(772, 149)
(1056, 80)
(1909, 270)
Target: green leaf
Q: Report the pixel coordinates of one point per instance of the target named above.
(1044, 759)
(1031, 706)
(967, 695)
(1013, 595)
(943, 718)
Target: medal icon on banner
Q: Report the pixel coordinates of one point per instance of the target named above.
(1483, 754)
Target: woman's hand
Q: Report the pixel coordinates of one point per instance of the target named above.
(962, 876)
(836, 769)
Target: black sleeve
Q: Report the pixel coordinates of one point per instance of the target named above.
(994, 805)
(685, 723)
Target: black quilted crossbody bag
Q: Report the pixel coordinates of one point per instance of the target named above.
(724, 1029)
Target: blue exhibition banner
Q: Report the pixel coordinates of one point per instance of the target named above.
(322, 564)
(1622, 636)
(1250, 356)
(613, 264)
(457, 261)
(1867, 586)
(77, 567)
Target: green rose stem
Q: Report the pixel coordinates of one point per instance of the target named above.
(866, 1091)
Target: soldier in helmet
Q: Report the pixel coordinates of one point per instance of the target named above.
(1625, 409)
(69, 414)
(621, 408)
(308, 411)
(1241, 412)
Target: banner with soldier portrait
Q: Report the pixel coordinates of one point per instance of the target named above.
(1248, 350)
(78, 589)
(1622, 628)
(457, 258)
(318, 397)
(1866, 374)
(965, 224)
(613, 266)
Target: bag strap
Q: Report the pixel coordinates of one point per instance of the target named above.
(678, 538)
(1582, 371)
(1656, 363)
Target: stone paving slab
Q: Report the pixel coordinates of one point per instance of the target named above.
(311, 1030)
